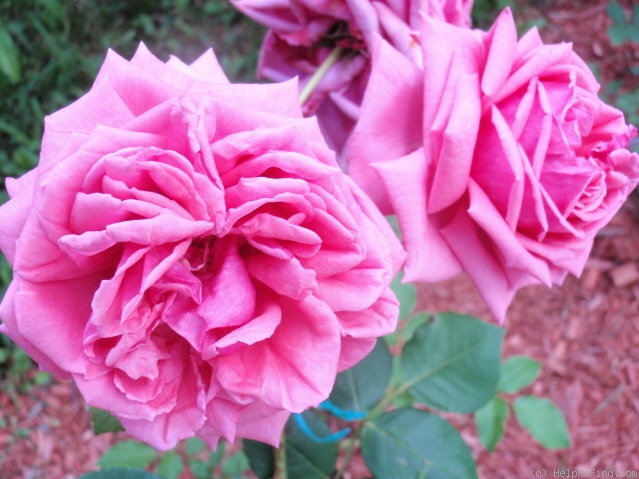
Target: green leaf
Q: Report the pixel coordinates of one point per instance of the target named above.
(235, 465)
(616, 13)
(516, 373)
(409, 443)
(410, 326)
(361, 387)
(216, 456)
(194, 445)
(128, 454)
(305, 457)
(21, 362)
(406, 294)
(261, 458)
(629, 103)
(490, 421)
(394, 224)
(9, 56)
(623, 30)
(55, 10)
(406, 329)
(170, 465)
(5, 353)
(543, 420)
(120, 473)
(199, 469)
(618, 34)
(452, 362)
(102, 421)
(42, 378)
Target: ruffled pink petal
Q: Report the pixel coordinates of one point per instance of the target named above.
(502, 43)
(457, 136)
(253, 421)
(376, 321)
(50, 264)
(45, 307)
(14, 213)
(443, 44)
(400, 34)
(352, 290)
(507, 248)
(295, 368)
(162, 429)
(428, 255)
(286, 277)
(102, 105)
(481, 264)
(353, 351)
(10, 327)
(262, 423)
(258, 329)
(394, 86)
(205, 68)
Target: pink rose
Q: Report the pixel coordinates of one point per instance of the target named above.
(498, 158)
(303, 34)
(190, 254)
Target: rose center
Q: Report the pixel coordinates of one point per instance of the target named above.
(199, 255)
(342, 35)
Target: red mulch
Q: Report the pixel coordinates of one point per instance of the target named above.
(48, 434)
(586, 334)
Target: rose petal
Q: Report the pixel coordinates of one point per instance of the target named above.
(394, 85)
(428, 256)
(14, 212)
(295, 368)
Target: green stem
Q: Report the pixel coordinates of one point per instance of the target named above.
(388, 399)
(348, 456)
(280, 460)
(319, 74)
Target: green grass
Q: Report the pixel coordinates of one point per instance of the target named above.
(50, 51)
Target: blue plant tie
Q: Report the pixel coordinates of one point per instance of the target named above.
(336, 436)
(335, 411)
(341, 413)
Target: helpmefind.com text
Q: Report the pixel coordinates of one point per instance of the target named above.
(541, 472)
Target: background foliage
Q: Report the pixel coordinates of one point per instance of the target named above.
(50, 51)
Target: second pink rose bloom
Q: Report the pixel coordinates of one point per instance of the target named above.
(498, 157)
(303, 34)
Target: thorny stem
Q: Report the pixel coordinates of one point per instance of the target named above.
(319, 74)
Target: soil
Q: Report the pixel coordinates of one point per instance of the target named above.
(585, 333)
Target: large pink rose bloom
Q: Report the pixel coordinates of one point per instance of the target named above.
(303, 34)
(498, 157)
(190, 254)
